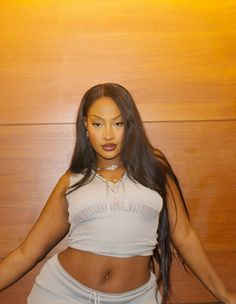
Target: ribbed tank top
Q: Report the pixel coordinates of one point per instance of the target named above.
(119, 220)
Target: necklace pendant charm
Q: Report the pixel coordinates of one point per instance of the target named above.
(112, 167)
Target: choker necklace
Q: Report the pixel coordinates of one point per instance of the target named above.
(110, 168)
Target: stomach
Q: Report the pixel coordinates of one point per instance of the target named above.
(106, 273)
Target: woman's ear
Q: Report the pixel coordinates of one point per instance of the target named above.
(85, 122)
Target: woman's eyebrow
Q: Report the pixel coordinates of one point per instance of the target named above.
(103, 118)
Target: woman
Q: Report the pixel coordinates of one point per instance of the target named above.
(122, 206)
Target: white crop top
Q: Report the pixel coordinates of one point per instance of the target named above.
(110, 219)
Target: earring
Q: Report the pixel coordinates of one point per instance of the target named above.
(87, 133)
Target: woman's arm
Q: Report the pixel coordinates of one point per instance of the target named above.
(190, 247)
(50, 228)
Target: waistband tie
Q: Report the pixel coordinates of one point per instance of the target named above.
(94, 297)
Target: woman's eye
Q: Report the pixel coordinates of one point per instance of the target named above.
(119, 123)
(96, 124)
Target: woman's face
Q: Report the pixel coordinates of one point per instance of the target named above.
(106, 130)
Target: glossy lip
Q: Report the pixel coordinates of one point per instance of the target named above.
(109, 147)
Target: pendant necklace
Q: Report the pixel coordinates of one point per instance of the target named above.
(109, 168)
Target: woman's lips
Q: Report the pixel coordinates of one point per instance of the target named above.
(109, 147)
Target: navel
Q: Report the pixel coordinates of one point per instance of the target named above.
(107, 276)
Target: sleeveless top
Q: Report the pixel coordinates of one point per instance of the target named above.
(119, 220)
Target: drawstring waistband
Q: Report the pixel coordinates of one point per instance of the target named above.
(94, 297)
(70, 288)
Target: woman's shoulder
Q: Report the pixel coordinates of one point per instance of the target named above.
(64, 181)
(69, 178)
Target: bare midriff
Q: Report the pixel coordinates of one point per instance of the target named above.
(105, 273)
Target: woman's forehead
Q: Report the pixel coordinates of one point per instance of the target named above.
(105, 108)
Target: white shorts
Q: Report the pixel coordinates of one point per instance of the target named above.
(54, 285)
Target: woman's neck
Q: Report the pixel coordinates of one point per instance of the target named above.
(109, 165)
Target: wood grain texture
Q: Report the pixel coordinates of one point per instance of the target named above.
(176, 57)
(187, 289)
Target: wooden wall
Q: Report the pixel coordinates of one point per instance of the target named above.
(177, 58)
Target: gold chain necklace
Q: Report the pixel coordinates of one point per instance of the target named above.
(115, 180)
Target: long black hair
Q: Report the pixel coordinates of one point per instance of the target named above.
(141, 161)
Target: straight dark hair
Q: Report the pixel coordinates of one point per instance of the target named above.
(141, 161)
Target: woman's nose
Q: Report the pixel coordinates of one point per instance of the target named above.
(108, 133)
